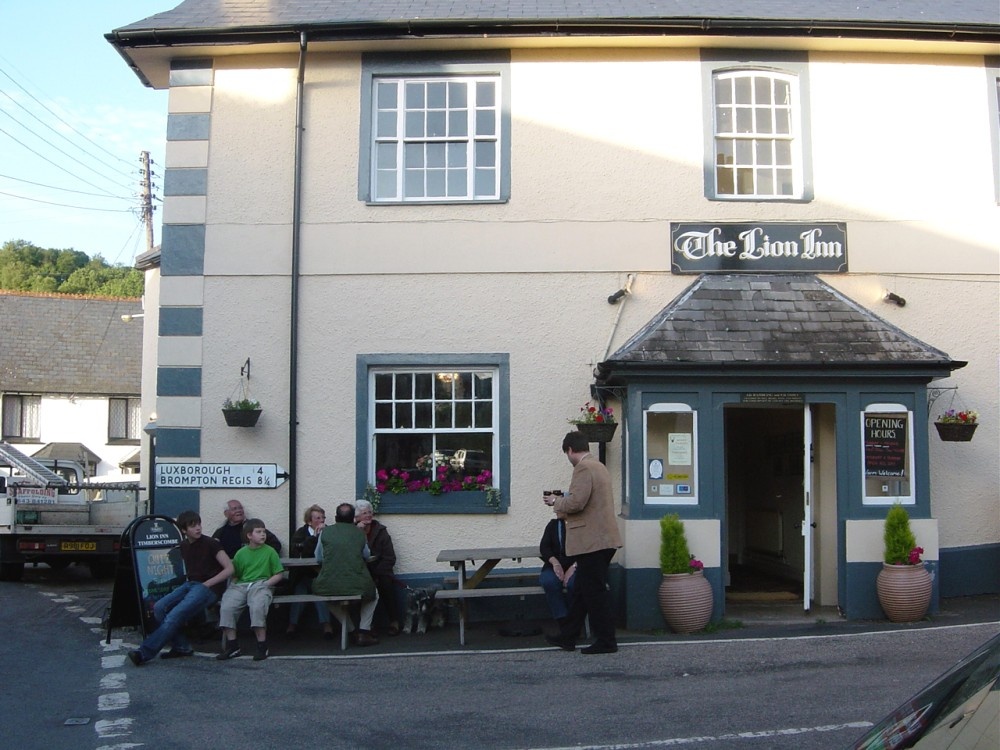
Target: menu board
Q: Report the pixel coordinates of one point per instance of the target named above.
(885, 444)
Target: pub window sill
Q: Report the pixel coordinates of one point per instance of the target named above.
(466, 502)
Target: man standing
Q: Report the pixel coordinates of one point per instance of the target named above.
(231, 532)
(343, 553)
(591, 538)
(208, 568)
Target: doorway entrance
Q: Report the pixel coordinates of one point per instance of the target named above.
(768, 557)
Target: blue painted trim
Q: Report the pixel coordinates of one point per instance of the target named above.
(968, 571)
(410, 64)
(181, 321)
(193, 127)
(172, 502)
(177, 442)
(471, 502)
(641, 587)
(185, 182)
(182, 250)
(861, 600)
(191, 72)
(178, 381)
(792, 63)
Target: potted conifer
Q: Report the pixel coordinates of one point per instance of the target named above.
(685, 594)
(903, 584)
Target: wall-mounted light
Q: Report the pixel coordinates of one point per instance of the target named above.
(894, 299)
(128, 318)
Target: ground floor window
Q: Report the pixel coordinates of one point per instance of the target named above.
(887, 436)
(21, 417)
(435, 431)
(670, 455)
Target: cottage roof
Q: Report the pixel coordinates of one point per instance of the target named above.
(770, 320)
(69, 345)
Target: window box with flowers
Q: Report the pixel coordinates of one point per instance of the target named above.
(957, 426)
(597, 423)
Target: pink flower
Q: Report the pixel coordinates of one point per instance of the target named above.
(381, 475)
(915, 554)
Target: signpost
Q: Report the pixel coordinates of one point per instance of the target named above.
(220, 476)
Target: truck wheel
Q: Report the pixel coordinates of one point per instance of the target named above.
(102, 568)
(11, 571)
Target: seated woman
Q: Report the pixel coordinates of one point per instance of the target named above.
(557, 576)
(382, 563)
(300, 579)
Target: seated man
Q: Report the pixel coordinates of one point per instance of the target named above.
(231, 532)
(557, 576)
(342, 552)
(208, 568)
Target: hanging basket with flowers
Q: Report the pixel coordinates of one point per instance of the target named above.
(597, 423)
(957, 426)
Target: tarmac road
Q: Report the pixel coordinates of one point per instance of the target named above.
(788, 689)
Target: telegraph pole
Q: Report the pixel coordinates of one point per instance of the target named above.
(147, 200)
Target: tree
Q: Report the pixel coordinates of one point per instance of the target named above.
(28, 268)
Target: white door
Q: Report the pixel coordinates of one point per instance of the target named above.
(807, 515)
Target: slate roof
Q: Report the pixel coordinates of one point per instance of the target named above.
(770, 320)
(298, 14)
(65, 345)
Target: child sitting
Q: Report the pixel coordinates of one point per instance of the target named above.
(257, 570)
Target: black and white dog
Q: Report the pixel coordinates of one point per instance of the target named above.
(422, 611)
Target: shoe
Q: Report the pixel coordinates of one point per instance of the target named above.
(600, 648)
(366, 639)
(262, 651)
(564, 643)
(231, 651)
(177, 653)
(328, 635)
(136, 658)
(393, 629)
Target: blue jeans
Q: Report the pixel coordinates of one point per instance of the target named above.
(304, 586)
(182, 604)
(557, 598)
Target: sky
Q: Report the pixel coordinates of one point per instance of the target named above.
(74, 120)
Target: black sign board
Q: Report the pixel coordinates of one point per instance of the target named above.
(814, 247)
(885, 445)
(150, 566)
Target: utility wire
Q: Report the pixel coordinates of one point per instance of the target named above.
(65, 190)
(66, 205)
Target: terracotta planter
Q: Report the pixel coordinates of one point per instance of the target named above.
(241, 417)
(686, 601)
(956, 432)
(598, 432)
(904, 591)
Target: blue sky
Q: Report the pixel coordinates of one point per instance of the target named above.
(73, 121)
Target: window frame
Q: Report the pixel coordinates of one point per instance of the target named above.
(423, 67)
(677, 499)
(790, 66)
(909, 499)
(463, 502)
(20, 436)
(132, 403)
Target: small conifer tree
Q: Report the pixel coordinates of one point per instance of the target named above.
(674, 554)
(899, 540)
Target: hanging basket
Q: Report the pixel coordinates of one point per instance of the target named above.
(956, 432)
(904, 591)
(241, 417)
(686, 601)
(598, 432)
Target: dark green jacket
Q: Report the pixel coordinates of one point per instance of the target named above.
(344, 570)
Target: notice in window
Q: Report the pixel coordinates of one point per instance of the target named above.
(885, 445)
(679, 449)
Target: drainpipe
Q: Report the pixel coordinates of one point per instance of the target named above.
(293, 334)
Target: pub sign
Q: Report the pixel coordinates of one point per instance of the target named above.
(721, 247)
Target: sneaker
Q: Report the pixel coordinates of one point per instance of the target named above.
(136, 658)
(231, 651)
(261, 651)
(177, 653)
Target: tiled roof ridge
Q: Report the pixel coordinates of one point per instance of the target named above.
(59, 295)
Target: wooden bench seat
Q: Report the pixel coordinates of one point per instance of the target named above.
(481, 593)
(342, 616)
(532, 574)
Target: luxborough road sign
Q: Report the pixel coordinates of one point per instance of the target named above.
(220, 476)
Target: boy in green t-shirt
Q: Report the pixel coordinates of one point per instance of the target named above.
(257, 570)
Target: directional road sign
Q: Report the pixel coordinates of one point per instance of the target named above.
(220, 476)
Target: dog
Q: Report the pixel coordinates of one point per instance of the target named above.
(422, 611)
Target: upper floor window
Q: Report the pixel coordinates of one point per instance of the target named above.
(438, 131)
(437, 430)
(21, 417)
(124, 419)
(756, 104)
(755, 142)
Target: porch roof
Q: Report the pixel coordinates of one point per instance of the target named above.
(769, 320)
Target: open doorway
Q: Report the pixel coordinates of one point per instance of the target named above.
(764, 451)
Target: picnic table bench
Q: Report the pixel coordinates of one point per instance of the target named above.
(343, 617)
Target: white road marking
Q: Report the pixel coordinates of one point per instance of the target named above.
(729, 737)
(123, 746)
(90, 620)
(112, 680)
(113, 727)
(115, 645)
(113, 662)
(113, 701)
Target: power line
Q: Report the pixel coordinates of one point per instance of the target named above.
(66, 205)
(65, 190)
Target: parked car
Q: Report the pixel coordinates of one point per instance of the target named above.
(960, 710)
